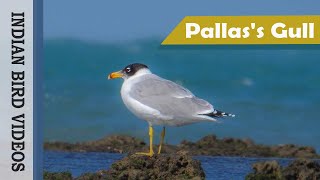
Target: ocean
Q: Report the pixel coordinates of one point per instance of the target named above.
(274, 91)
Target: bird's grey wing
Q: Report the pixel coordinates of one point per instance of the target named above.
(168, 97)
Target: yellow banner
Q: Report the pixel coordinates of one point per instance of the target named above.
(200, 30)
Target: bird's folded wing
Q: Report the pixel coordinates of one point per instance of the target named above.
(168, 97)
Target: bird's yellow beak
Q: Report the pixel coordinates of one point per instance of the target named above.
(114, 75)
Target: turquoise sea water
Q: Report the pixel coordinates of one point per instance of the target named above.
(275, 93)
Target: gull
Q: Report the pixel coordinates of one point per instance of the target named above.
(161, 102)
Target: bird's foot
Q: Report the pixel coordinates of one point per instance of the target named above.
(150, 154)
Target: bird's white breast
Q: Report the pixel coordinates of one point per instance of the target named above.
(140, 110)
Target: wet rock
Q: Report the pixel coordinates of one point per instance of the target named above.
(57, 176)
(265, 171)
(137, 167)
(112, 144)
(301, 169)
(212, 146)
(290, 150)
(100, 175)
(208, 145)
(174, 166)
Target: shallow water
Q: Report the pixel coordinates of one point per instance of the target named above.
(216, 168)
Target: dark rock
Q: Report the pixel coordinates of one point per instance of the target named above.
(57, 175)
(112, 144)
(212, 146)
(265, 171)
(248, 142)
(208, 145)
(100, 175)
(137, 167)
(290, 150)
(300, 169)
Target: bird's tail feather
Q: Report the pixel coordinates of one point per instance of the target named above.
(217, 113)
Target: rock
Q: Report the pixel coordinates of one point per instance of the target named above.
(269, 167)
(248, 142)
(300, 169)
(290, 150)
(100, 175)
(209, 145)
(212, 146)
(265, 171)
(115, 143)
(175, 166)
(57, 175)
(112, 144)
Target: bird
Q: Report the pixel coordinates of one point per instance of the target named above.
(161, 102)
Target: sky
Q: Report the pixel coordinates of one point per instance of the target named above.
(109, 21)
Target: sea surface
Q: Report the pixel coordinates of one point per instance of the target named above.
(274, 91)
(216, 168)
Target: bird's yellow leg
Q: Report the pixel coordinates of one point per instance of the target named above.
(163, 133)
(150, 153)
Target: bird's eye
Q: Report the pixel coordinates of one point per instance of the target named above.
(128, 70)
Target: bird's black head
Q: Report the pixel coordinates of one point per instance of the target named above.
(131, 69)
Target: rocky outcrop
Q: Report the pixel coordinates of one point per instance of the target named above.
(175, 166)
(301, 169)
(265, 171)
(112, 144)
(57, 175)
(290, 150)
(208, 145)
(211, 145)
(136, 167)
